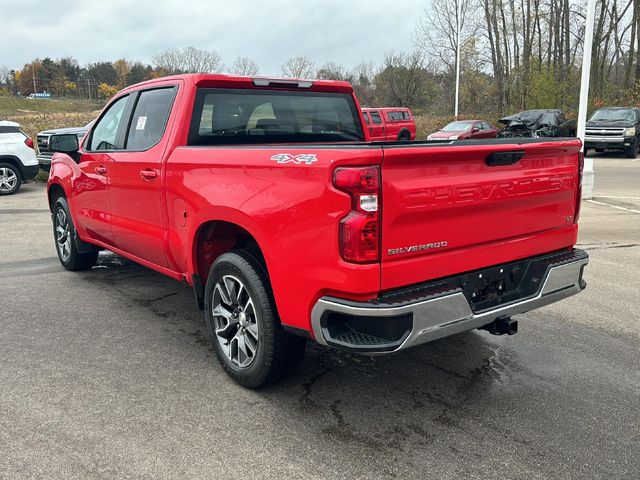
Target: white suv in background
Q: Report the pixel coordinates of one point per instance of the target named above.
(18, 161)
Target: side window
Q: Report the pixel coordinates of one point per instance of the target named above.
(104, 134)
(149, 118)
(375, 118)
(366, 117)
(397, 116)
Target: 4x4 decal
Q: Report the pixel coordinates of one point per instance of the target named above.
(303, 158)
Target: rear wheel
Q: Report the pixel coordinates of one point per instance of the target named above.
(10, 179)
(404, 136)
(64, 233)
(243, 324)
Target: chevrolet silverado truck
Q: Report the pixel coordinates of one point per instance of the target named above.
(614, 128)
(269, 199)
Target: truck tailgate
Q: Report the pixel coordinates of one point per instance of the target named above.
(449, 209)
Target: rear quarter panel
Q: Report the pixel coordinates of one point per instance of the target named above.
(291, 209)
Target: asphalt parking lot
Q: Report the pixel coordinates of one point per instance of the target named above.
(107, 374)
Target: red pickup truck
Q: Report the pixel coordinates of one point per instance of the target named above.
(267, 197)
(390, 124)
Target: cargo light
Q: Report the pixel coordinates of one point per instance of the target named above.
(359, 230)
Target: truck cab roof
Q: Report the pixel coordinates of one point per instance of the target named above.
(237, 81)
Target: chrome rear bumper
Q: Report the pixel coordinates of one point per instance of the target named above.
(443, 314)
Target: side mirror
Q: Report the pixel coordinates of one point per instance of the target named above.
(475, 130)
(64, 143)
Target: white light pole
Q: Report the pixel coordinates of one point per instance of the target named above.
(458, 26)
(588, 176)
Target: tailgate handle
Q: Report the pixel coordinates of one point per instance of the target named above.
(497, 159)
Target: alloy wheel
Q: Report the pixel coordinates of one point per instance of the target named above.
(235, 321)
(63, 235)
(8, 179)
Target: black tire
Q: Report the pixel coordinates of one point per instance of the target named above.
(404, 136)
(276, 352)
(632, 151)
(65, 237)
(10, 173)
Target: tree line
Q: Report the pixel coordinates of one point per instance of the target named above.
(515, 54)
(528, 53)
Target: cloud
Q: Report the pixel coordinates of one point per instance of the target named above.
(346, 32)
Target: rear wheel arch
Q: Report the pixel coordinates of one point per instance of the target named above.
(14, 161)
(216, 237)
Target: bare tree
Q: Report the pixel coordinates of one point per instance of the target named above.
(333, 71)
(244, 66)
(363, 80)
(4, 75)
(403, 80)
(298, 67)
(436, 32)
(188, 60)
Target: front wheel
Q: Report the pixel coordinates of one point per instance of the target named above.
(64, 233)
(243, 324)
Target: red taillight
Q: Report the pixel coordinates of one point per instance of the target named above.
(28, 142)
(360, 229)
(576, 215)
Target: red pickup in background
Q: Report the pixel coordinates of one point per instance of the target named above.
(390, 124)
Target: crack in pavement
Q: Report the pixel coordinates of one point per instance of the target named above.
(162, 297)
(607, 246)
(305, 398)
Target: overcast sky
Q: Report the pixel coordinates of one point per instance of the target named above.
(268, 31)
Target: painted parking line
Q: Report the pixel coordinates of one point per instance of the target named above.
(617, 207)
(618, 197)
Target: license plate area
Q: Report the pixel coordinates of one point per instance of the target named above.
(503, 284)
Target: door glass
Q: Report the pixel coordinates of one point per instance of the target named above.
(366, 117)
(106, 130)
(375, 118)
(149, 118)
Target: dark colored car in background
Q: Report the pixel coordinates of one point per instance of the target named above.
(44, 154)
(614, 128)
(465, 130)
(537, 124)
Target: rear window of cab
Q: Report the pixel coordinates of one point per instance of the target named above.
(252, 116)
